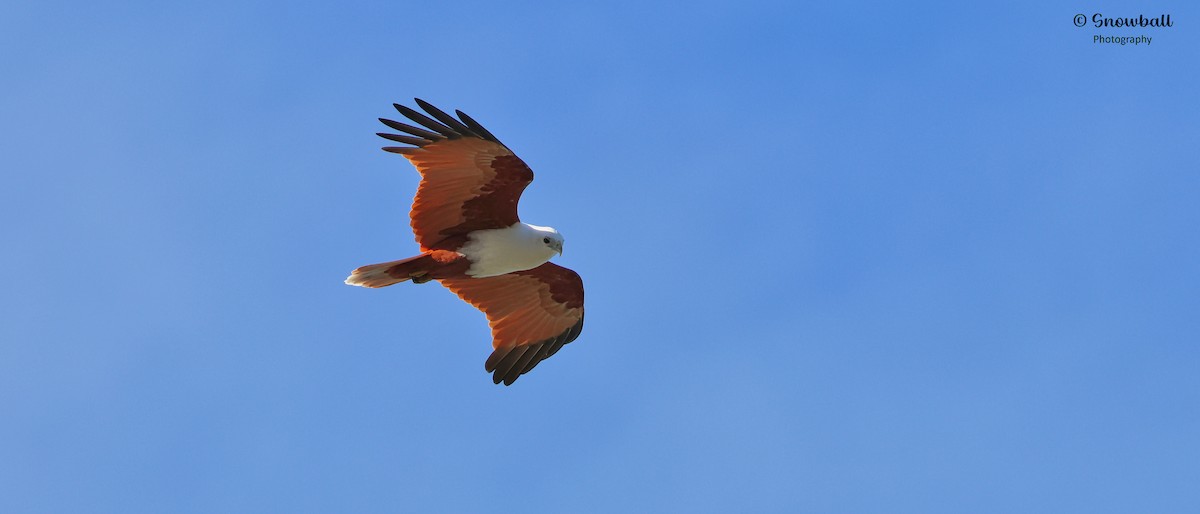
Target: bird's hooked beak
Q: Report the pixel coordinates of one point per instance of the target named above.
(557, 246)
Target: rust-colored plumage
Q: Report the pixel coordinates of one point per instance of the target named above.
(532, 313)
(470, 185)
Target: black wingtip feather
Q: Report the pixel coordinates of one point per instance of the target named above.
(539, 356)
(518, 368)
(445, 118)
(427, 122)
(508, 363)
(441, 126)
(475, 126)
(419, 132)
(415, 141)
(505, 367)
(495, 358)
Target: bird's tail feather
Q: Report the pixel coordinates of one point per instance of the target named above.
(386, 273)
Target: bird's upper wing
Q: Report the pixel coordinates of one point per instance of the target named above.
(532, 314)
(469, 179)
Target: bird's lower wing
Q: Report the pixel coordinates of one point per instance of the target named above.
(532, 314)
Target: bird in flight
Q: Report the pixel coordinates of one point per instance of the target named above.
(465, 220)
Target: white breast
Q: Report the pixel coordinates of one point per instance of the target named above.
(505, 250)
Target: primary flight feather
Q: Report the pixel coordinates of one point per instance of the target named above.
(472, 241)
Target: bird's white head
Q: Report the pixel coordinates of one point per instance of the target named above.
(548, 238)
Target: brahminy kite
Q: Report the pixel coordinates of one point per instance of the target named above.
(465, 220)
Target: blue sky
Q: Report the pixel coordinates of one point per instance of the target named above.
(863, 258)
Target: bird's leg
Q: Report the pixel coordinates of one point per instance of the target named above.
(421, 279)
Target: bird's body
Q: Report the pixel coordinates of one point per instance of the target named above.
(517, 247)
(465, 220)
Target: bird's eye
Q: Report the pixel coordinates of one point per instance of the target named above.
(546, 240)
